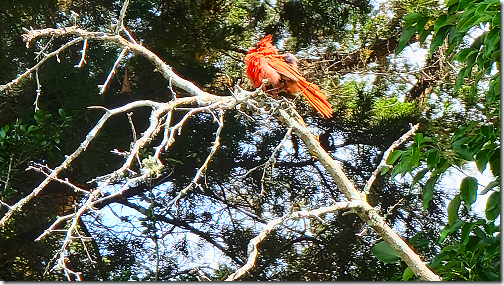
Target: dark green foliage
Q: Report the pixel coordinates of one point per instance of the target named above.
(470, 247)
(310, 20)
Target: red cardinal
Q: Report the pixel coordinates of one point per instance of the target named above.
(264, 62)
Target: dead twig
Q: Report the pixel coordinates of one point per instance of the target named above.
(383, 162)
(252, 246)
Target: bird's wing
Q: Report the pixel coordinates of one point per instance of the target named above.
(311, 91)
(285, 69)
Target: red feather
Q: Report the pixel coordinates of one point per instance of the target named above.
(264, 62)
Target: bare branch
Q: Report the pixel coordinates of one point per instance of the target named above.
(252, 246)
(112, 71)
(83, 54)
(64, 182)
(55, 224)
(184, 225)
(162, 67)
(383, 162)
(120, 23)
(90, 136)
(9, 173)
(203, 102)
(272, 160)
(194, 182)
(39, 90)
(36, 66)
(292, 119)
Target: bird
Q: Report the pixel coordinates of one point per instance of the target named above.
(264, 62)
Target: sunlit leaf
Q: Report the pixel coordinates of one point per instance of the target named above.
(404, 39)
(450, 229)
(492, 209)
(394, 155)
(468, 188)
(385, 253)
(408, 273)
(453, 208)
(428, 190)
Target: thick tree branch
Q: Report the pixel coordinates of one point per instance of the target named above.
(161, 108)
(292, 120)
(162, 67)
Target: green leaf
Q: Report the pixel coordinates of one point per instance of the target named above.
(428, 190)
(405, 165)
(462, 55)
(408, 273)
(468, 188)
(394, 155)
(3, 133)
(437, 259)
(414, 238)
(418, 139)
(404, 39)
(463, 129)
(425, 33)
(459, 132)
(411, 18)
(454, 39)
(460, 141)
(418, 176)
(439, 22)
(487, 131)
(490, 185)
(384, 170)
(482, 159)
(433, 159)
(415, 156)
(423, 242)
(492, 209)
(462, 149)
(32, 128)
(491, 274)
(496, 21)
(477, 142)
(449, 229)
(444, 20)
(421, 24)
(385, 253)
(479, 233)
(491, 41)
(438, 39)
(486, 241)
(464, 25)
(62, 112)
(495, 162)
(451, 3)
(460, 79)
(494, 90)
(489, 228)
(430, 140)
(38, 116)
(452, 210)
(464, 233)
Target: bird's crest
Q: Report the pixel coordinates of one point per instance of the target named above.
(265, 42)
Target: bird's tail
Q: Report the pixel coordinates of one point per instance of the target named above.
(315, 97)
